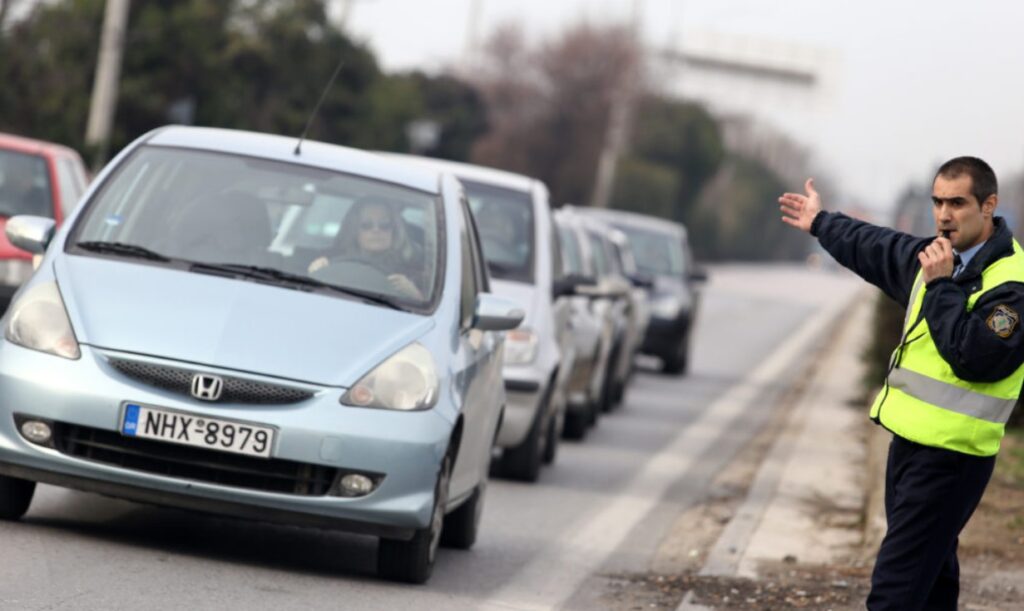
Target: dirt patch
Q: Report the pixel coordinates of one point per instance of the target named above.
(836, 588)
(991, 550)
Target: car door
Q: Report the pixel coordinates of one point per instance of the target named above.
(480, 380)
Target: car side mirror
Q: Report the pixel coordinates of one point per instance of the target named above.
(570, 285)
(698, 274)
(642, 281)
(30, 233)
(493, 313)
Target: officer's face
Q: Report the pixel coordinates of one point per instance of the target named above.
(957, 210)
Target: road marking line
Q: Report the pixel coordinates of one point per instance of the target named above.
(552, 577)
(726, 554)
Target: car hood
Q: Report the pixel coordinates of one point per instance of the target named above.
(229, 323)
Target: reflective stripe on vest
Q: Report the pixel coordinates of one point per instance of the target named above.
(953, 398)
(925, 402)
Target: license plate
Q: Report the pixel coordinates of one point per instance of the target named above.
(199, 431)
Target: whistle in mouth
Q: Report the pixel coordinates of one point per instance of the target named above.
(945, 233)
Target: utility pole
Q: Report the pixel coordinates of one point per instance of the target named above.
(620, 118)
(472, 41)
(105, 84)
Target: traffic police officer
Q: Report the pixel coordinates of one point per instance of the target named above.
(954, 377)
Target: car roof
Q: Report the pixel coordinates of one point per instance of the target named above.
(468, 171)
(316, 154)
(633, 219)
(32, 146)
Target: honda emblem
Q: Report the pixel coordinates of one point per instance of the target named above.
(207, 387)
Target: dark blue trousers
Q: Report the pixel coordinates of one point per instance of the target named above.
(930, 494)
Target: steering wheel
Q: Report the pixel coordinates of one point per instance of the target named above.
(357, 273)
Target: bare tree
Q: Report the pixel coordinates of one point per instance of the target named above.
(550, 106)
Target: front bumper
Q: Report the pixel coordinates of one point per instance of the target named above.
(523, 393)
(406, 448)
(664, 335)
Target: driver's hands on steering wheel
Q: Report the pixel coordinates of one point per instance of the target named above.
(405, 286)
(318, 263)
(400, 282)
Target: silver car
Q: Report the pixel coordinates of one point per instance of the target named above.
(520, 244)
(235, 325)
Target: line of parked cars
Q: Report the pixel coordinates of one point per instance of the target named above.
(305, 333)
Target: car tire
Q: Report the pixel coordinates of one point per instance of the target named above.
(15, 497)
(577, 423)
(412, 561)
(524, 461)
(608, 391)
(551, 439)
(462, 525)
(678, 363)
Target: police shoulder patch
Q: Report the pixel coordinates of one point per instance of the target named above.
(1003, 321)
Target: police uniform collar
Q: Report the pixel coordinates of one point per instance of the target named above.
(999, 245)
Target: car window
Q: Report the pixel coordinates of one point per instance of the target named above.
(557, 265)
(24, 185)
(570, 251)
(345, 230)
(71, 188)
(504, 220)
(598, 255)
(656, 253)
(470, 284)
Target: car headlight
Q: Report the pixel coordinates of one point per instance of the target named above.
(39, 321)
(520, 347)
(666, 307)
(13, 272)
(406, 381)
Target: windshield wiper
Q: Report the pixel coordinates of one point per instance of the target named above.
(271, 274)
(122, 248)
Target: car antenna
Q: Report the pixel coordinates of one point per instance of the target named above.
(312, 115)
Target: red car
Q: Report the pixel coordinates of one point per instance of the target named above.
(38, 178)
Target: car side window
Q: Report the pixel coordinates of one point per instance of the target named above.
(557, 268)
(470, 285)
(70, 187)
(483, 281)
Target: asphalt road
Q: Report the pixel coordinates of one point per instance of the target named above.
(604, 506)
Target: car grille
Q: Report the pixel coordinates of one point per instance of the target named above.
(236, 390)
(198, 464)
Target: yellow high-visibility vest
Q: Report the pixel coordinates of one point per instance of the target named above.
(925, 402)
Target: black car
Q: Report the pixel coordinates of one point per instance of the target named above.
(662, 252)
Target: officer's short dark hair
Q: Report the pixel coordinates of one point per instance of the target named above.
(983, 179)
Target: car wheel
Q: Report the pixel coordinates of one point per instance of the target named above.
(523, 462)
(551, 439)
(676, 364)
(412, 561)
(462, 525)
(15, 497)
(608, 392)
(576, 423)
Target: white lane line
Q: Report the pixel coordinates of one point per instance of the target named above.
(724, 557)
(555, 574)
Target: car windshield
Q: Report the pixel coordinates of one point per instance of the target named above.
(504, 218)
(656, 253)
(289, 223)
(24, 185)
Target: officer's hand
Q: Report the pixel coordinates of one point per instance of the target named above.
(800, 210)
(936, 260)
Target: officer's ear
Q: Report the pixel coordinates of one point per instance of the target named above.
(988, 207)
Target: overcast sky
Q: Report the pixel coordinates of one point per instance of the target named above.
(914, 82)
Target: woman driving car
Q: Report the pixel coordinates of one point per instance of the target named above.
(373, 233)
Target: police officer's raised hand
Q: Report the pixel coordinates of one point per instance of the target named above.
(936, 260)
(800, 210)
